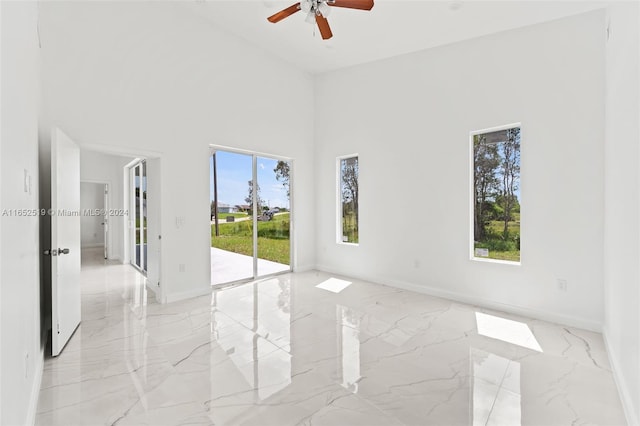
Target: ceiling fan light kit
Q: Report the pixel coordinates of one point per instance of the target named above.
(318, 10)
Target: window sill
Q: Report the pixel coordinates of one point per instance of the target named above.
(497, 261)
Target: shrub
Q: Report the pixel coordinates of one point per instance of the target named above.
(498, 244)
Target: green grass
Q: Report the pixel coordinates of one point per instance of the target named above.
(273, 238)
(138, 235)
(499, 247)
(138, 229)
(510, 255)
(497, 227)
(350, 228)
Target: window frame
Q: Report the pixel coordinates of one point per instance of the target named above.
(472, 195)
(339, 223)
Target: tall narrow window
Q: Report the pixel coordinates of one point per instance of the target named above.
(348, 199)
(496, 193)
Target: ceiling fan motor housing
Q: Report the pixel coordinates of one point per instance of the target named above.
(315, 7)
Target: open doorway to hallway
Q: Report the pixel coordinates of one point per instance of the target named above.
(250, 216)
(94, 221)
(132, 239)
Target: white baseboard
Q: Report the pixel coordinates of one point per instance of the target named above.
(304, 268)
(153, 288)
(621, 383)
(476, 301)
(174, 297)
(35, 389)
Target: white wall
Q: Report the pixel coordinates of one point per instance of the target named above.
(91, 228)
(621, 206)
(101, 167)
(154, 76)
(20, 338)
(409, 119)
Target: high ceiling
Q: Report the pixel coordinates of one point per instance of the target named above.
(393, 27)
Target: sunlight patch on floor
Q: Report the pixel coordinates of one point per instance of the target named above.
(515, 332)
(334, 285)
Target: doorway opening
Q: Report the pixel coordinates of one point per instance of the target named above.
(94, 220)
(250, 215)
(138, 215)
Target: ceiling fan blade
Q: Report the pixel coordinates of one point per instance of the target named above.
(352, 4)
(277, 17)
(323, 25)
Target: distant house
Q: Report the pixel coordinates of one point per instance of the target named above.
(242, 208)
(226, 208)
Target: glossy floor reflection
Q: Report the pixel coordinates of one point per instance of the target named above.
(281, 351)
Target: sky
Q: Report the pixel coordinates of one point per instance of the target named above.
(234, 173)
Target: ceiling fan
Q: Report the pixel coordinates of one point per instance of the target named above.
(318, 10)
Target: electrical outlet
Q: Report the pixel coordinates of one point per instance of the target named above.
(562, 284)
(181, 267)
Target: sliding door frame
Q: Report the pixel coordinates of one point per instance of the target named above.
(137, 212)
(254, 220)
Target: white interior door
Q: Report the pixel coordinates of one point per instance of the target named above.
(65, 239)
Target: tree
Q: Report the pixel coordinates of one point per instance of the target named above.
(486, 160)
(349, 187)
(282, 171)
(249, 198)
(510, 173)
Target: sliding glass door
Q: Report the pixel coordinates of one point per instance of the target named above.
(138, 203)
(250, 216)
(231, 177)
(273, 243)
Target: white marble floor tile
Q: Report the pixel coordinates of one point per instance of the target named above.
(281, 351)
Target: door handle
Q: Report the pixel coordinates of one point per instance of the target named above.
(54, 252)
